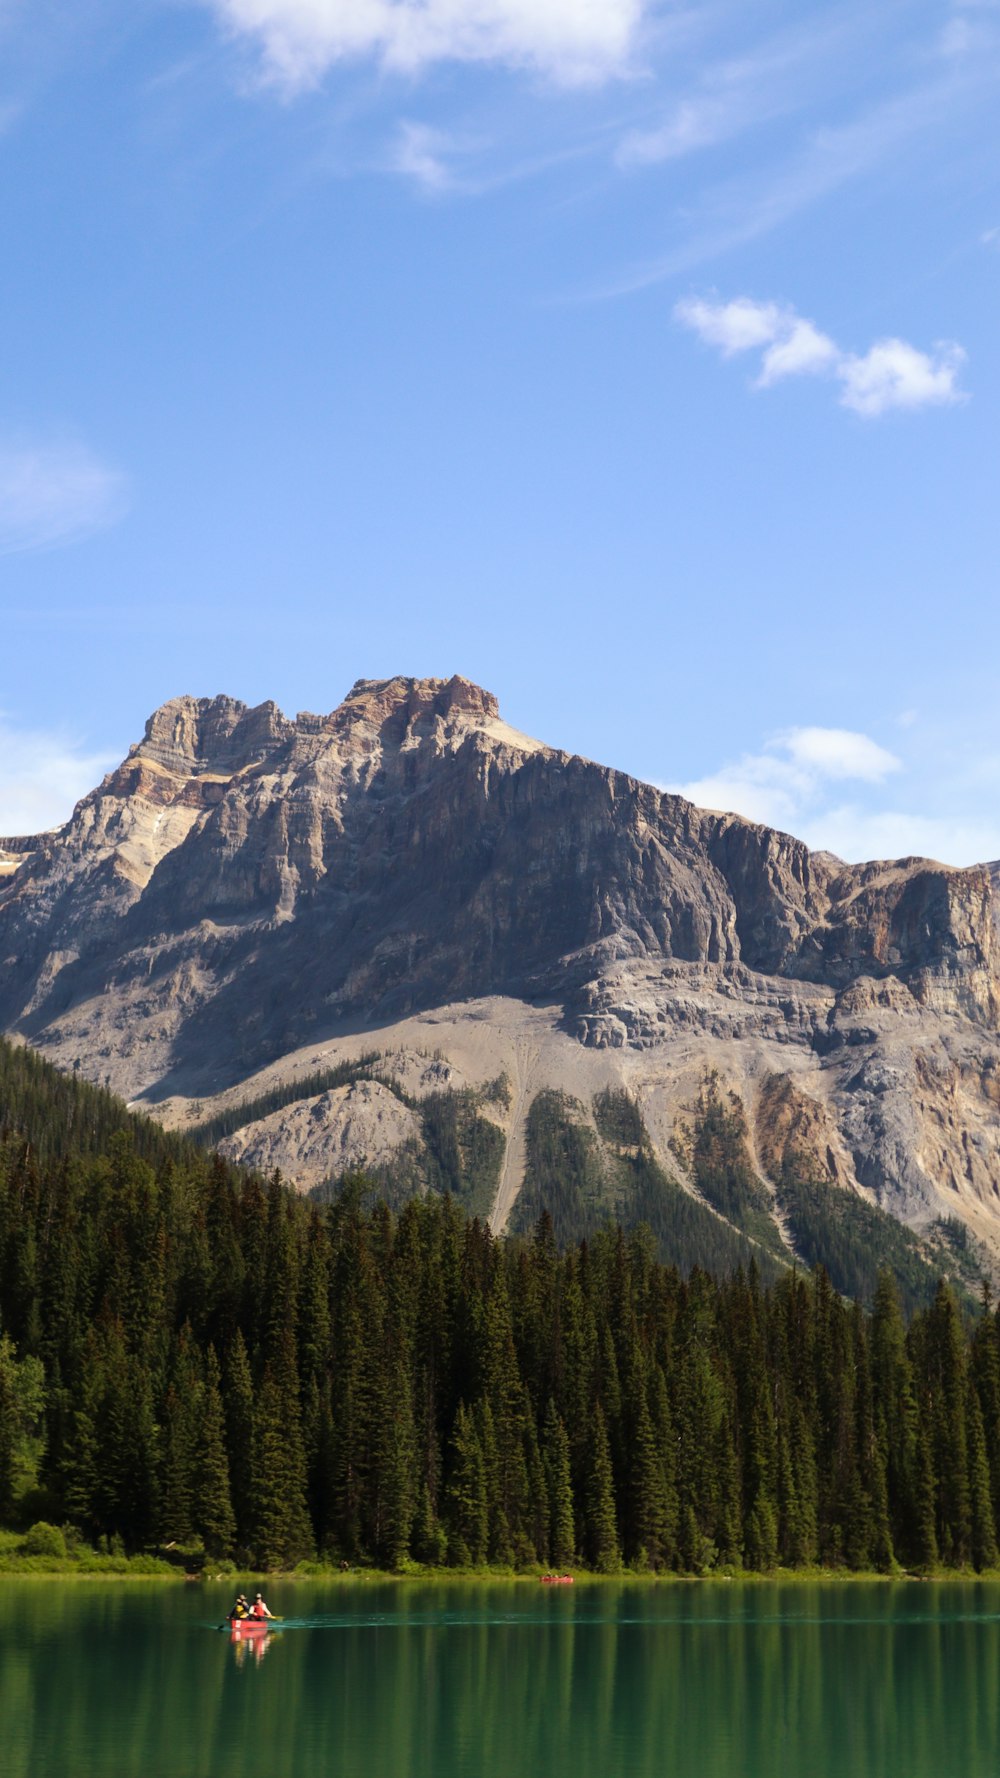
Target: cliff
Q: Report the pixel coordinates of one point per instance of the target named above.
(247, 892)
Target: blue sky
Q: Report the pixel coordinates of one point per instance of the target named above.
(637, 360)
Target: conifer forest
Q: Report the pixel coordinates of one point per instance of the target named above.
(191, 1355)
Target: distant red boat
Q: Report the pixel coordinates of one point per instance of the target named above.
(557, 1580)
(248, 1626)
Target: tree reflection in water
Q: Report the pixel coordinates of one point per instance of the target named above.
(836, 1680)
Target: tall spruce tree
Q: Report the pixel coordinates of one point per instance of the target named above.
(982, 1528)
(603, 1548)
(562, 1530)
(238, 1406)
(280, 1532)
(466, 1497)
(215, 1520)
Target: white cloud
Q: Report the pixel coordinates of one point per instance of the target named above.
(42, 776)
(891, 374)
(894, 374)
(837, 753)
(797, 784)
(858, 834)
(570, 40)
(733, 326)
(782, 784)
(799, 350)
(54, 492)
(418, 154)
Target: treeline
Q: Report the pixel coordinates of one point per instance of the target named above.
(62, 1115)
(581, 1180)
(189, 1355)
(212, 1130)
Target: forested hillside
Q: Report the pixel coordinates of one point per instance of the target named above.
(187, 1354)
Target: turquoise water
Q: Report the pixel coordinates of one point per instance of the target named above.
(599, 1681)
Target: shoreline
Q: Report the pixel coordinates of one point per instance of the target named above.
(142, 1569)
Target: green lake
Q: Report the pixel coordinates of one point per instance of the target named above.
(844, 1680)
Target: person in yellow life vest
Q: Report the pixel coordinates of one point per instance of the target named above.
(240, 1609)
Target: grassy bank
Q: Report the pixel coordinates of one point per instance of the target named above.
(85, 1563)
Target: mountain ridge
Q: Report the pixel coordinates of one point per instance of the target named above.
(245, 886)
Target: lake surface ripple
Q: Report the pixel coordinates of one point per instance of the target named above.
(843, 1680)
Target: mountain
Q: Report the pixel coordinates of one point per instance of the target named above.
(387, 935)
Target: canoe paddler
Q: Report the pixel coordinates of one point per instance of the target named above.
(259, 1609)
(240, 1609)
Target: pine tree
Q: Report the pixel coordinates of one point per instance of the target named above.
(562, 1533)
(944, 1369)
(394, 1476)
(466, 1501)
(985, 1361)
(802, 1529)
(535, 1547)
(925, 1543)
(238, 1405)
(648, 1532)
(429, 1540)
(983, 1535)
(603, 1549)
(280, 1532)
(8, 1427)
(214, 1516)
(182, 1420)
(895, 1418)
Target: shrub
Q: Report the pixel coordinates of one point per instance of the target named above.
(43, 1539)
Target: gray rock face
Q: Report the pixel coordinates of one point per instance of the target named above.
(244, 885)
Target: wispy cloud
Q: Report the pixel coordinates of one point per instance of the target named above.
(837, 790)
(571, 41)
(42, 775)
(422, 154)
(891, 374)
(55, 492)
(741, 93)
(756, 203)
(780, 785)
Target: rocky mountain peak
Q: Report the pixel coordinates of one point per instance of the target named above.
(217, 735)
(245, 886)
(399, 703)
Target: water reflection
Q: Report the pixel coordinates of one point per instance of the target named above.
(254, 1644)
(842, 1681)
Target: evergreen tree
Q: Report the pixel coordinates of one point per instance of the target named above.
(895, 1419)
(213, 1508)
(466, 1500)
(982, 1526)
(280, 1532)
(8, 1427)
(648, 1537)
(562, 1533)
(238, 1404)
(410, 1384)
(429, 1540)
(925, 1543)
(603, 1548)
(943, 1351)
(985, 1362)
